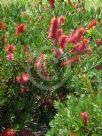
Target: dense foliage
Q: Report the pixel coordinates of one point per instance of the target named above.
(49, 50)
(78, 117)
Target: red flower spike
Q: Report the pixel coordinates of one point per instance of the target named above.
(85, 117)
(59, 32)
(81, 48)
(92, 24)
(77, 36)
(20, 29)
(61, 19)
(53, 28)
(41, 65)
(63, 41)
(85, 41)
(10, 57)
(8, 132)
(71, 61)
(39, 62)
(10, 48)
(52, 3)
(24, 78)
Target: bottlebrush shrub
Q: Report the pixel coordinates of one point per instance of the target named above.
(78, 116)
(31, 41)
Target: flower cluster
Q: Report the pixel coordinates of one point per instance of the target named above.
(92, 24)
(70, 61)
(10, 48)
(76, 38)
(53, 28)
(11, 132)
(22, 80)
(85, 117)
(57, 36)
(20, 29)
(41, 65)
(8, 132)
(52, 3)
(81, 48)
(77, 35)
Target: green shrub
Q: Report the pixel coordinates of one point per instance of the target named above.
(33, 106)
(68, 120)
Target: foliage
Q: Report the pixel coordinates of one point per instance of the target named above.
(68, 120)
(27, 102)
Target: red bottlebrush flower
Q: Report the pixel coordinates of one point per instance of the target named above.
(61, 19)
(71, 61)
(59, 53)
(39, 62)
(20, 29)
(2, 25)
(81, 48)
(99, 42)
(53, 28)
(85, 41)
(63, 41)
(24, 78)
(59, 32)
(92, 24)
(99, 67)
(52, 3)
(85, 117)
(10, 57)
(41, 65)
(10, 48)
(8, 132)
(77, 35)
(26, 132)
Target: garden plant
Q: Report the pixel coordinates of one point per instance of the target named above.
(50, 68)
